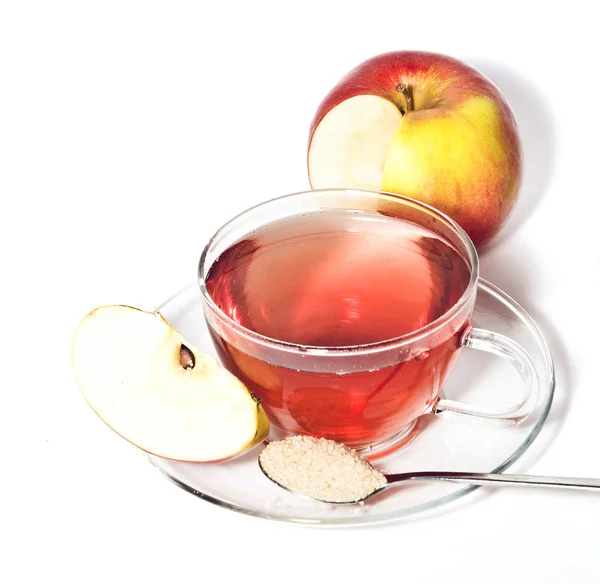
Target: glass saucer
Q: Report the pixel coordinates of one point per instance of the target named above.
(446, 442)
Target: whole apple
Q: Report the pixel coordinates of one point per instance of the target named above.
(426, 126)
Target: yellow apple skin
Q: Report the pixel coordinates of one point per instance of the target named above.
(457, 149)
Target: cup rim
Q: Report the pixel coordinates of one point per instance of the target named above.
(364, 349)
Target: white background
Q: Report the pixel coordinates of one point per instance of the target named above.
(129, 131)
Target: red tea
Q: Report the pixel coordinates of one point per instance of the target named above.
(340, 279)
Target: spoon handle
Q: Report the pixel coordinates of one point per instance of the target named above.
(475, 478)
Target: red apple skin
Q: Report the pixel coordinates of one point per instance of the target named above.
(443, 83)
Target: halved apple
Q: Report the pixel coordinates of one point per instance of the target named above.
(161, 393)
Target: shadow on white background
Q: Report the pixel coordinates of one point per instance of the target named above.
(509, 261)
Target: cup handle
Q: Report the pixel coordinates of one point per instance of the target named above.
(506, 348)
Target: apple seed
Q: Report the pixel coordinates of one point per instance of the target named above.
(186, 358)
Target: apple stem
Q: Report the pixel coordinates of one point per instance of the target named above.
(406, 91)
(186, 358)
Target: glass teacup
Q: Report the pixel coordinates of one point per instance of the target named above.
(345, 311)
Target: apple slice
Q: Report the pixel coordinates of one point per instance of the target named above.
(350, 145)
(161, 393)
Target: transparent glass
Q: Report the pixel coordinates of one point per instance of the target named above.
(447, 443)
(252, 356)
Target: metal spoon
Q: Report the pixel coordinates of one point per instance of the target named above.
(473, 478)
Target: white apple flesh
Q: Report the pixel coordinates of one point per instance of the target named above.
(350, 145)
(161, 393)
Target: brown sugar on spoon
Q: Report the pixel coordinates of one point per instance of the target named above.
(320, 468)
